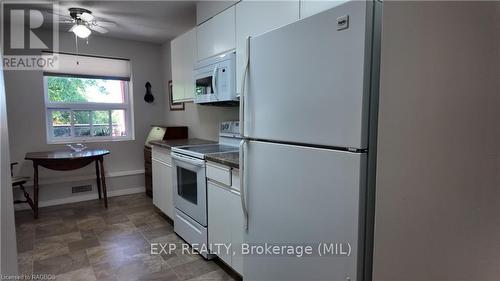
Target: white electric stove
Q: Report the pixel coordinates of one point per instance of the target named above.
(190, 185)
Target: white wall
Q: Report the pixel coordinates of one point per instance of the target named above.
(8, 245)
(25, 107)
(202, 120)
(438, 186)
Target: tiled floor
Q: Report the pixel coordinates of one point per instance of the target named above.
(84, 241)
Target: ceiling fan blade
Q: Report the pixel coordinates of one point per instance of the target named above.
(52, 13)
(87, 17)
(65, 21)
(106, 23)
(98, 29)
(57, 17)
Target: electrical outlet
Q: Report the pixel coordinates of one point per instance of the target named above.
(343, 22)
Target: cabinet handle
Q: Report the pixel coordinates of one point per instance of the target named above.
(242, 185)
(242, 90)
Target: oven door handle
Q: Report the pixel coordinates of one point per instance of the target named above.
(192, 161)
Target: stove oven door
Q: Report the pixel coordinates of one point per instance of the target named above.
(190, 187)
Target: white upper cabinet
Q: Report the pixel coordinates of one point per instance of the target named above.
(256, 17)
(311, 7)
(207, 9)
(217, 35)
(183, 57)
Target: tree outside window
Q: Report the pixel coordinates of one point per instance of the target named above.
(86, 108)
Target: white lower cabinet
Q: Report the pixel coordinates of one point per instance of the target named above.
(236, 231)
(225, 222)
(219, 219)
(162, 182)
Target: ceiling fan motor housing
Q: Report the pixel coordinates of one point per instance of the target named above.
(84, 17)
(75, 13)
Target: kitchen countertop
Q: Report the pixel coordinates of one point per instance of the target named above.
(168, 144)
(231, 159)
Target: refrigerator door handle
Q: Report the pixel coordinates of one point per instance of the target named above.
(242, 184)
(242, 90)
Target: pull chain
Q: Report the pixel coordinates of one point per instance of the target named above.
(76, 44)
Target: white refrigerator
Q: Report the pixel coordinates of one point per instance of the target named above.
(309, 127)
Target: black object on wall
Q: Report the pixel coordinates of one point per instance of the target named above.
(148, 97)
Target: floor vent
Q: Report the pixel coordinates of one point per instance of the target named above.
(81, 188)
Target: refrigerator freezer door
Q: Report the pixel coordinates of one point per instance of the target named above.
(308, 82)
(302, 196)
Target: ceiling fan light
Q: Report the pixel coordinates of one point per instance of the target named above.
(81, 31)
(87, 16)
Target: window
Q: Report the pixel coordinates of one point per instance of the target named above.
(82, 107)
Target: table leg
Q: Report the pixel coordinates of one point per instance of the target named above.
(97, 173)
(103, 177)
(35, 190)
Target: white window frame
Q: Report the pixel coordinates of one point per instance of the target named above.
(91, 106)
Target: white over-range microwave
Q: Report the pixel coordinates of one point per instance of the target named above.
(215, 80)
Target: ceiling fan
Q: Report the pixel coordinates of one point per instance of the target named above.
(83, 22)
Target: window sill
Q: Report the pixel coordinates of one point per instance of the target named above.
(89, 141)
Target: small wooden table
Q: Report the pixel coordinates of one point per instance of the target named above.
(66, 161)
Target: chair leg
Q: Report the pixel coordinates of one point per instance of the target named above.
(27, 196)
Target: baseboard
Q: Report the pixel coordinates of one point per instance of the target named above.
(65, 179)
(80, 198)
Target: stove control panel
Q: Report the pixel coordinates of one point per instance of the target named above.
(229, 128)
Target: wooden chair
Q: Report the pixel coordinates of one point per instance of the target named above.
(19, 182)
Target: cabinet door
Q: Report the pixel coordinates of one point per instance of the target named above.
(177, 54)
(311, 7)
(217, 35)
(207, 9)
(256, 17)
(183, 57)
(162, 187)
(169, 193)
(219, 218)
(190, 58)
(237, 230)
(158, 187)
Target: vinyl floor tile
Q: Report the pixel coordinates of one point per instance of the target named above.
(83, 274)
(85, 242)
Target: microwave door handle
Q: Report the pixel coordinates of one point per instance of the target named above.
(214, 80)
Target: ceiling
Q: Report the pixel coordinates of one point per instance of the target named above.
(147, 21)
